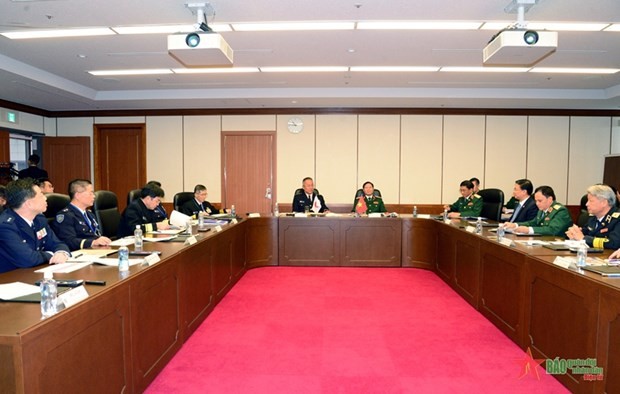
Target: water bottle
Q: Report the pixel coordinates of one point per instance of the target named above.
(123, 259)
(415, 211)
(479, 226)
(445, 214)
(276, 210)
(500, 233)
(201, 219)
(188, 227)
(138, 240)
(233, 211)
(582, 254)
(49, 295)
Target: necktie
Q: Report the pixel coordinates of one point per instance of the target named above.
(88, 222)
(516, 212)
(309, 196)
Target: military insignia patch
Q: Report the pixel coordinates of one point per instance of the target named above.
(60, 218)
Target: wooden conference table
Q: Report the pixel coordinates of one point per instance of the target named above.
(124, 333)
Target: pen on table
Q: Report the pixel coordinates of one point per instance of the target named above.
(95, 282)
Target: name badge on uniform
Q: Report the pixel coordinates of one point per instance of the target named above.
(41, 233)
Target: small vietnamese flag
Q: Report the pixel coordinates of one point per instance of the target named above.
(361, 207)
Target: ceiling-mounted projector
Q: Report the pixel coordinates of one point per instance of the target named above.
(200, 49)
(519, 47)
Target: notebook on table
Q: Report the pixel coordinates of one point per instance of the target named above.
(604, 270)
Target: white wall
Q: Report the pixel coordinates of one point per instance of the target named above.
(589, 143)
(164, 153)
(378, 157)
(505, 152)
(413, 159)
(463, 153)
(421, 148)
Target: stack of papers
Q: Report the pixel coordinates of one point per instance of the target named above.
(11, 291)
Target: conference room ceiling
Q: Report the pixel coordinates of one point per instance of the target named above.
(52, 73)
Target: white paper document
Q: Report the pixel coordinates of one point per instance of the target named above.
(17, 289)
(64, 268)
(179, 219)
(123, 241)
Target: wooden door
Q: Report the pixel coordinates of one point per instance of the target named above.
(5, 158)
(65, 159)
(249, 162)
(120, 159)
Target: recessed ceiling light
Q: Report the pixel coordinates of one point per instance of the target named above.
(418, 25)
(290, 26)
(565, 70)
(215, 70)
(485, 69)
(395, 69)
(150, 71)
(20, 35)
(304, 69)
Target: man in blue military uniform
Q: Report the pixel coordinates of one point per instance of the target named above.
(468, 205)
(199, 203)
(368, 202)
(602, 230)
(159, 211)
(141, 212)
(25, 238)
(75, 225)
(552, 218)
(308, 197)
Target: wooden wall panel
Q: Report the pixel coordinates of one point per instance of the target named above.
(421, 147)
(66, 158)
(164, 144)
(296, 154)
(506, 152)
(202, 155)
(336, 157)
(547, 158)
(378, 157)
(590, 135)
(463, 153)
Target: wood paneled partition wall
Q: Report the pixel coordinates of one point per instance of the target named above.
(413, 155)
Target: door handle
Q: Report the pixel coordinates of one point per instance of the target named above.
(268, 193)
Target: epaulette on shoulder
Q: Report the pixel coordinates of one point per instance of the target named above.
(476, 196)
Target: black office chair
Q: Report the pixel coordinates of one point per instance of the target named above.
(360, 192)
(584, 216)
(180, 199)
(55, 203)
(132, 195)
(492, 203)
(301, 191)
(107, 213)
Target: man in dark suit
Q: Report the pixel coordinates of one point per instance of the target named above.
(552, 218)
(76, 225)
(141, 212)
(526, 209)
(33, 171)
(308, 197)
(25, 238)
(199, 203)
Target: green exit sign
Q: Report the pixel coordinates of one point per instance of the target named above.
(11, 117)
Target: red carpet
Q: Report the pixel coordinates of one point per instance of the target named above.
(347, 330)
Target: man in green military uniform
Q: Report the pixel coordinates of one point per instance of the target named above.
(369, 202)
(468, 205)
(602, 229)
(552, 218)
